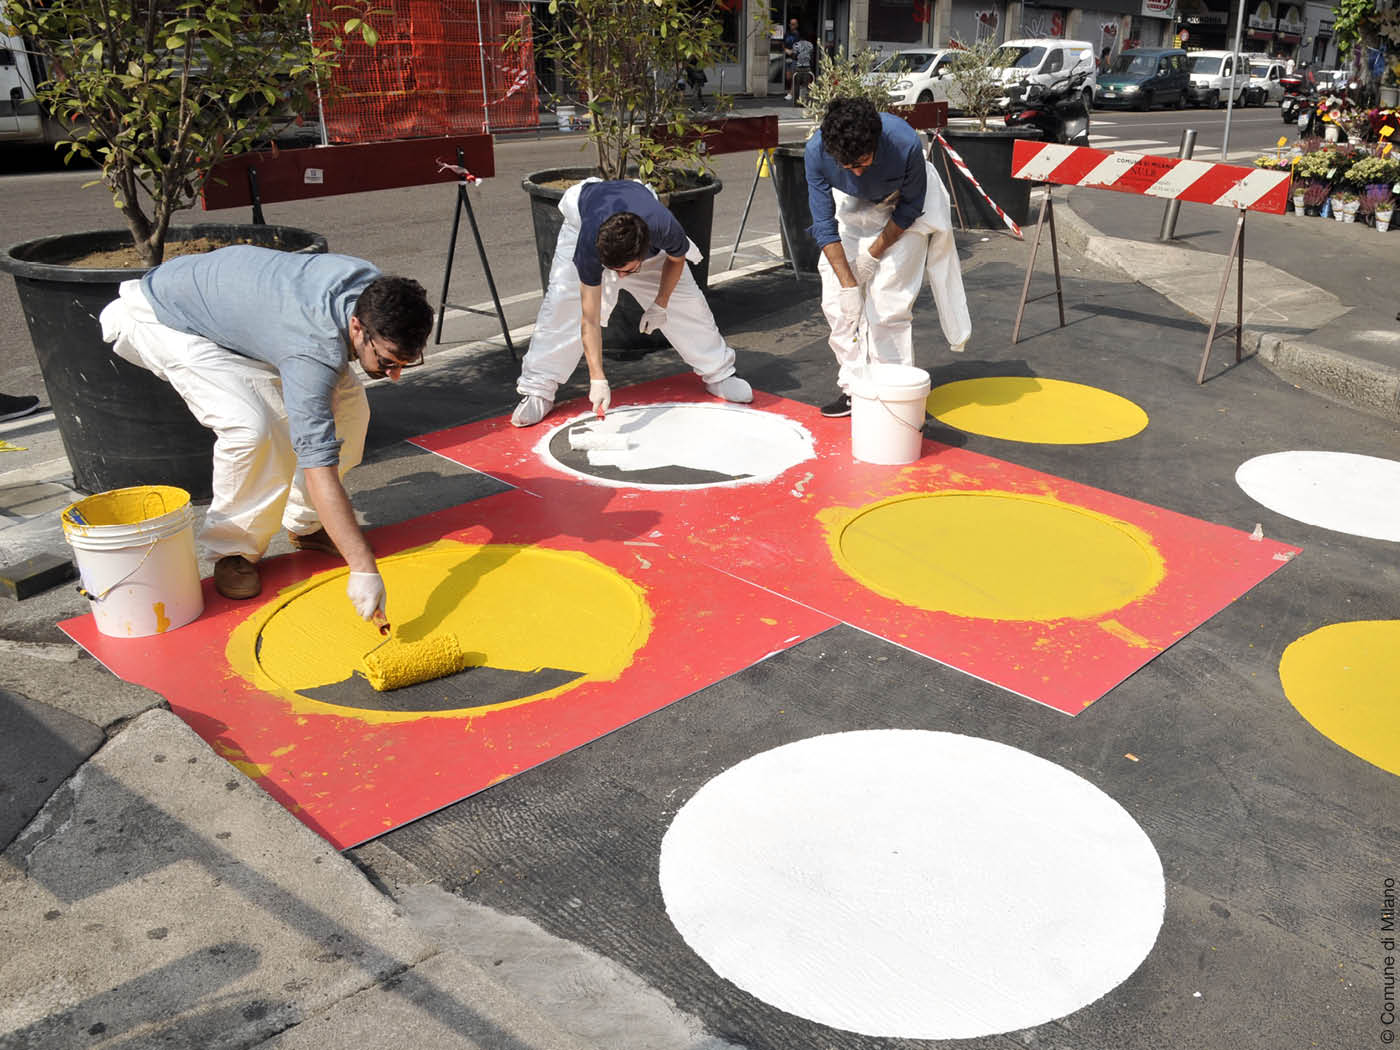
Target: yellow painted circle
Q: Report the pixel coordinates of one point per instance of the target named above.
(1345, 680)
(996, 555)
(1040, 411)
(511, 608)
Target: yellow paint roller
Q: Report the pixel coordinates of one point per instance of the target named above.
(395, 664)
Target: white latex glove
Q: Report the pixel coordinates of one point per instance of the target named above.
(600, 394)
(864, 266)
(654, 319)
(849, 302)
(366, 593)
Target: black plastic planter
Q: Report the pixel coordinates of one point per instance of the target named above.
(693, 208)
(790, 179)
(120, 424)
(988, 154)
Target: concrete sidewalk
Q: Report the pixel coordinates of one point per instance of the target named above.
(1321, 296)
(152, 895)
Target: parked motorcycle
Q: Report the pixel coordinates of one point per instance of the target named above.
(1057, 110)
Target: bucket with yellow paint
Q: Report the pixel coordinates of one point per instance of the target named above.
(887, 413)
(135, 554)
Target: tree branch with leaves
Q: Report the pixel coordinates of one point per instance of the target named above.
(158, 93)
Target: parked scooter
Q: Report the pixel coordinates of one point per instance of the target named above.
(1058, 110)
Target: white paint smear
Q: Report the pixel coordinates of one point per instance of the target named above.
(912, 884)
(736, 441)
(1341, 491)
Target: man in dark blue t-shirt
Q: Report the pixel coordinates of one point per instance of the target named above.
(617, 235)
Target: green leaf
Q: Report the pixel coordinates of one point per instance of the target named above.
(174, 43)
(371, 37)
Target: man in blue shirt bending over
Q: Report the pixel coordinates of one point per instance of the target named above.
(617, 236)
(259, 343)
(881, 217)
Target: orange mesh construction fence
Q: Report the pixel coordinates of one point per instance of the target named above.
(439, 67)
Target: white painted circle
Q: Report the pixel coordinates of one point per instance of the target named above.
(912, 884)
(1341, 491)
(744, 445)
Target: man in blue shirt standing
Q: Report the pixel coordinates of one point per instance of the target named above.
(259, 343)
(881, 217)
(617, 236)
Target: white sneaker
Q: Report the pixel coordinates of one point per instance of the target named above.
(958, 348)
(787, 98)
(531, 410)
(732, 389)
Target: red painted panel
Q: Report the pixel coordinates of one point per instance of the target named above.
(770, 535)
(325, 171)
(349, 777)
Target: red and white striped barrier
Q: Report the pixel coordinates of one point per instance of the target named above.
(967, 173)
(1172, 178)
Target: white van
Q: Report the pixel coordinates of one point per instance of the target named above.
(19, 113)
(1046, 61)
(1216, 76)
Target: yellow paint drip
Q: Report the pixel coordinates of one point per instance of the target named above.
(1127, 634)
(396, 664)
(995, 555)
(509, 607)
(1345, 680)
(162, 621)
(1040, 411)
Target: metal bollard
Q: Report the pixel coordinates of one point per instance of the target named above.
(1188, 146)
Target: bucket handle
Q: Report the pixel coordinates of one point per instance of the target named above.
(98, 597)
(897, 418)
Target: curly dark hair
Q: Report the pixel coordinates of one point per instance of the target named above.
(622, 238)
(850, 130)
(396, 309)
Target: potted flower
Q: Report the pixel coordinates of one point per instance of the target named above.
(1378, 202)
(619, 61)
(1315, 195)
(156, 95)
(1345, 204)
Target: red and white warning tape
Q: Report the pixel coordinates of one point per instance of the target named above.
(1171, 178)
(967, 173)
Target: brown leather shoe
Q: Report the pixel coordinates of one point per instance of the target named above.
(236, 577)
(320, 540)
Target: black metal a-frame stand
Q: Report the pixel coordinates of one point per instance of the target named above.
(1235, 258)
(464, 203)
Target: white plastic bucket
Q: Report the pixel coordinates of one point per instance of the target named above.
(888, 405)
(135, 554)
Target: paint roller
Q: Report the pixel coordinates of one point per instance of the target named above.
(394, 664)
(583, 439)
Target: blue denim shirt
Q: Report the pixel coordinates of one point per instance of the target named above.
(287, 309)
(898, 167)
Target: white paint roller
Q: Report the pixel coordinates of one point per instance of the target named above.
(581, 440)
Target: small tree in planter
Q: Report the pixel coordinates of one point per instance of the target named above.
(156, 94)
(621, 60)
(847, 76)
(977, 75)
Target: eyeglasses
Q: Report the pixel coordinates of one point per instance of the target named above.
(384, 365)
(629, 269)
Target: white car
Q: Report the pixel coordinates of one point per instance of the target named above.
(1216, 76)
(1047, 62)
(920, 76)
(1265, 86)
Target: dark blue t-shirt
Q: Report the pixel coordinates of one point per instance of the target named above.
(600, 200)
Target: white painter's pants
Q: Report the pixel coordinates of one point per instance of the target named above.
(927, 249)
(557, 344)
(256, 479)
